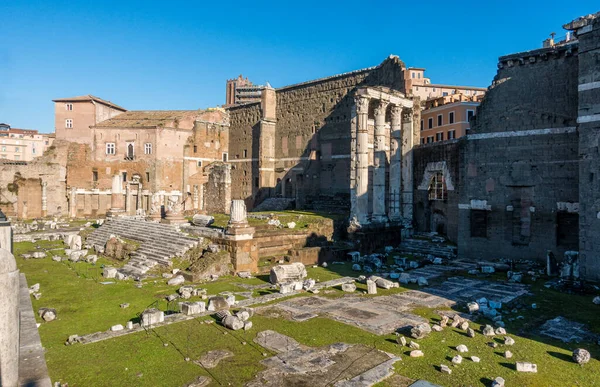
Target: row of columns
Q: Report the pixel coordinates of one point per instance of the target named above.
(360, 162)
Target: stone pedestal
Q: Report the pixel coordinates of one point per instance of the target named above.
(238, 223)
(174, 215)
(117, 202)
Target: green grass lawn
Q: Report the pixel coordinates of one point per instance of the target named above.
(85, 306)
(302, 219)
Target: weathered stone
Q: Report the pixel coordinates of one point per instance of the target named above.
(308, 284)
(383, 283)
(125, 305)
(445, 369)
(34, 288)
(116, 328)
(462, 348)
(217, 303)
(172, 297)
(291, 225)
(129, 325)
(356, 267)
(444, 321)
(487, 269)
(437, 328)
(371, 287)
(414, 345)
(47, 314)
(457, 359)
(191, 308)
(351, 287)
(233, 323)
(526, 367)
(176, 281)
(38, 254)
(596, 300)
(287, 273)
(488, 330)
(244, 274)
(286, 288)
(422, 281)
(109, 272)
(121, 276)
(247, 325)
(509, 340)
(473, 307)
(212, 358)
(498, 382)
(151, 317)
(416, 353)
(202, 220)
(75, 243)
(464, 325)
(404, 278)
(475, 359)
(500, 331)
(420, 331)
(401, 340)
(508, 354)
(581, 356)
(275, 341)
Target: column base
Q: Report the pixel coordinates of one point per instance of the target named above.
(114, 212)
(174, 219)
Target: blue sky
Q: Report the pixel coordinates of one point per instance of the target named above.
(146, 55)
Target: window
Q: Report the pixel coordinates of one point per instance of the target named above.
(470, 114)
(444, 94)
(429, 139)
(437, 187)
(422, 124)
(199, 164)
(422, 140)
(567, 230)
(440, 120)
(147, 148)
(124, 176)
(439, 136)
(17, 149)
(69, 123)
(148, 177)
(195, 148)
(17, 157)
(245, 153)
(419, 75)
(69, 106)
(430, 123)
(94, 175)
(434, 89)
(3, 149)
(478, 224)
(413, 75)
(451, 134)
(33, 150)
(110, 148)
(451, 117)
(225, 157)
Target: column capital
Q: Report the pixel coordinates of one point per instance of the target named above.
(362, 104)
(396, 111)
(380, 108)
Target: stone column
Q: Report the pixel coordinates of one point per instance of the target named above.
(6, 235)
(238, 223)
(44, 199)
(116, 197)
(407, 166)
(353, 126)
(394, 213)
(128, 195)
(9, 319)
(379, 164)
(362, 160)
(73, 203)
(196, 197)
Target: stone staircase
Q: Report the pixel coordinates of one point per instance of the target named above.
(158, 243)
(428, 243)
(323, 203)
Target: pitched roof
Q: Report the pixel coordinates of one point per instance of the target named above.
(89, 97)
(153, 118)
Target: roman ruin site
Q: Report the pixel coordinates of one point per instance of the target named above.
(369, 228)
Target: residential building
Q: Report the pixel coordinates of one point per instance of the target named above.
(240, 91)
(418, 85)
(74, 116)
(447, 118)
(22, 144)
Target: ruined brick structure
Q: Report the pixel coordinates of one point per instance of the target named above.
(298, 141)
(525, 180)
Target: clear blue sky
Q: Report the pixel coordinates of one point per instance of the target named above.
(177, 55)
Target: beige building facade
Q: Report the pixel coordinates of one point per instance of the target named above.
(447, 118)
(74, 116)
(22, 144)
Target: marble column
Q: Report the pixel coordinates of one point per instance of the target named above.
(353, 126)
(196, 198)
(238, 227)
(9, 319)
(73, 203)
(116, 196)
(379, 164)
(362, 160)
(407, 166)
(44, 199)
(394, 213)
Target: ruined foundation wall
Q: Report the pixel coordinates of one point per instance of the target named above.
(518, 175)
(437, 215)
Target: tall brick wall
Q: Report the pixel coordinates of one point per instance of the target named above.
(588, 33)
(519, 168)
(437, 215)
(312, 136)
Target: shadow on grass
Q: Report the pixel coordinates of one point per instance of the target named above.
(561, 356)
(510, 366)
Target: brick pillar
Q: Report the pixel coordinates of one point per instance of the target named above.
(394, 212)
(379, 164)
(266, 141)
(587, 30)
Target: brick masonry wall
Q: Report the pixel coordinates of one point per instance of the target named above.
(312, 118)
(428, 214)
(589, 154)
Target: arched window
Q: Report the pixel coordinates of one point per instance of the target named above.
(437, 187)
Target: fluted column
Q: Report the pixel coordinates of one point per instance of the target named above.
(353, 126)
(394, 213)
(238, 212)
(44, 199)
(407, 165)
(379, 164)
(362, 159)
(116, 196)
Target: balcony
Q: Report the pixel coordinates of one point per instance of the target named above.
(129, 158)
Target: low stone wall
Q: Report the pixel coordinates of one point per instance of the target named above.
(43, 236)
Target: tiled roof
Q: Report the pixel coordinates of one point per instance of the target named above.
(163, 118)
(89, 97)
